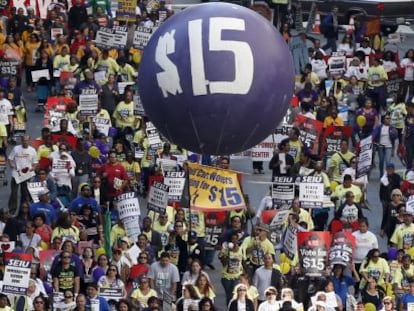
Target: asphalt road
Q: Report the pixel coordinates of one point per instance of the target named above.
(254, 185)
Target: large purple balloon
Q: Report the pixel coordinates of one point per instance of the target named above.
(217, 78)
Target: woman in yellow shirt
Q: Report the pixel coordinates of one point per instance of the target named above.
(46, 46)
(30, 57)
(143, 293)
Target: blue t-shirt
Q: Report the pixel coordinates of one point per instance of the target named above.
(341, 286)
(406, 299)
(77, 204)
(46, 209)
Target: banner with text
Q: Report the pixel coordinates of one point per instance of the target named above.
(311, 192)
(215, 223)
(214, 189)
(175, 182)
(364, 157)
(342, 248)
(310, 132)
(264, 150)
(332, 137)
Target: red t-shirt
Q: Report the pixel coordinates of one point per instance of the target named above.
(114, 171)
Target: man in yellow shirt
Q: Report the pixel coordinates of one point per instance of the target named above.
(132, 168)
(339, 162)
(403, 233)
(376, 84)
(341, 190)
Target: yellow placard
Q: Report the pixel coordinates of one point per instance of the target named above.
(214, 189)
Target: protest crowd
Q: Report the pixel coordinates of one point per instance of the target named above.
(74, 235)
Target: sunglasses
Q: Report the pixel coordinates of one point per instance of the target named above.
(270, 294)
(66, 257)
(142, 257)
(111, 269)
(242, 290)
(68, 297)
(387, 303)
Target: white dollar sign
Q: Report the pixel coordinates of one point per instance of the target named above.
(168, 80)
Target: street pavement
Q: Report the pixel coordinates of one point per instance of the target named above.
(256, 186)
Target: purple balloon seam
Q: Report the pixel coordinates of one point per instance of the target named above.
(216, 78)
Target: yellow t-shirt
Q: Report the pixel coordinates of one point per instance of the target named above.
(340, 192)
(124, 115)
(256, 255)
(306, 217)
(197, 223)
(295, 150)
(132, 169)
(234, 268)
(71, 233)
(398, 113)
(142, 298)
(403, 236)
(117, 233)
(402, 278)
(127, 73)
(3, 134)
(338, 164)
(376, 270)
(210, 293)
(376, 75)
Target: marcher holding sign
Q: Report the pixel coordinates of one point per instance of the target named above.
(213, 189)
(175, 182)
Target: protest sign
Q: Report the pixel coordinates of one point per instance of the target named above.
(299, 18)
(277, 224)
(313, 249)
(393, 86)
(17, 273)
(167, 301)
(105, 38)
(111, 293)
(214, 223)
(175, 182)
(342, 247)
(167, 165)
(311, 192)
(129, 212)
(283, 192)
(42, 73)
(364, 157)
(337, 63)
(310, 131)
(141, 37)
(138, 107)
(60, 166)
(102, 125)
(9, 68)
(54, 32)
(126, 11)
(7, 247)
(332, 137)
(21, 175)
(122, 86)
(213, 189)
(158, 197)
(153, 136)
(290, 243)
(264, 150)
(88, 104)
(34, 188)
(120, 36)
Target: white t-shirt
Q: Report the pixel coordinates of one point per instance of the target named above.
(408, 65)
(363, 243)
(23, 157)
(385, 136)
(6, 110)
(346, 48)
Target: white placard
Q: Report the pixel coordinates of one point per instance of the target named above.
(42, 73)
(158, 197)
(7, 247)
(99, 75)
(290, 243)
(264, 150)
(102, 125)
(153, 136)
(34, 188)
(54, 32)
(138, 107)
(175, 181)
(22, 175)
(365, 157)
(123, 85)
(111, 293)
(17, 274)
(105, 37)
(88, 104)
(167, 165)
(129, 212)
(141, 37)
(120, 37)
(311, 192)
(60, 166)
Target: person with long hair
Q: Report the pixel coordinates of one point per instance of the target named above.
(189, 295)
(88, 263)
(101, 268)
(390, 213)
(192, 274)
(112, 280)
(204, 287)
(43, 230)
(123, 305)
(141, 294)
(206, 304)
(40, 303)
(388, 304)
(240, 300)
(373, 293)
(374, 267)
